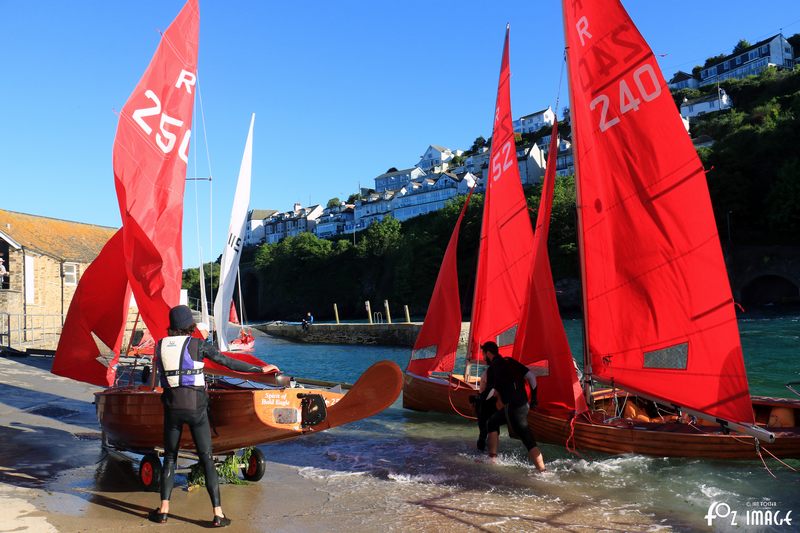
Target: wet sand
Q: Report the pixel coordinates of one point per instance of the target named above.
(54, 477)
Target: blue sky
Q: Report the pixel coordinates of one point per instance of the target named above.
(341, 90)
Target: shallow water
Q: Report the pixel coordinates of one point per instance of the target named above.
(428, 461)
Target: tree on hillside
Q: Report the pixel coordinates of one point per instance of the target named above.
(741, 46)
(391, 169)
(479, 143)
(714, 60)
(794, 40)
(333, 202)
(354, 197)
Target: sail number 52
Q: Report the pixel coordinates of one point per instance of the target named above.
(627, 101)
(165, 139)
(505, 154)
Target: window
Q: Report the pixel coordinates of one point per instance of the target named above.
(70, 272)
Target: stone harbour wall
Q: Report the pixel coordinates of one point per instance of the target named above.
(401, 334)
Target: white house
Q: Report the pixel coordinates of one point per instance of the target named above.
(254, 229)
(373, 207)
(291, 223)
(435, 157)
(565, 164)
(396, 179)
(425, 195)
(774, 51)
(683, 80)
(535, 121)
(476, 163)
(532, 162)
(334, 221)
(705, 104)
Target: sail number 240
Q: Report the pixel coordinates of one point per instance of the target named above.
(627, 100)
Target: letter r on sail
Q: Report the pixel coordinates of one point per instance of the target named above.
(583, 26)
(188, 79)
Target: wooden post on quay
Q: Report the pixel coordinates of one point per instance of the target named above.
(369, 311)
(388, 314)
(336, 312)
(408, 316)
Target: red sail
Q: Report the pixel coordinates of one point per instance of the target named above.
(541, 335)
(233, 317)
(659, 312)
(150, 155)
(437, 341)
(98, 308)
(504, 258)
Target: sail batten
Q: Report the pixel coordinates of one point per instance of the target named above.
(658, 308)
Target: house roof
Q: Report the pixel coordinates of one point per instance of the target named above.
(396, 173)
(62, 239)
(523, 117)
(740, 52)
(260, 214)
(440, 148)
(680, 76)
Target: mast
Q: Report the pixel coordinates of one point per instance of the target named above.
(587, 360)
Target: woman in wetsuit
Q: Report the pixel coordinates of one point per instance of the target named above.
(507, 377)
(179, 357)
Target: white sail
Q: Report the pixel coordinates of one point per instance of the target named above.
(229, 265)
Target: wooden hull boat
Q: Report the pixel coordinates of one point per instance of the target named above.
(623, 435)
(132, 417)
(445, 394)
(672, 438)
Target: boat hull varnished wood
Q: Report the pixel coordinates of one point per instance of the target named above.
(448, 395)
(132, 417)
(671, 439)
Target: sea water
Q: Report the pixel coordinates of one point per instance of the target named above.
(424, 469)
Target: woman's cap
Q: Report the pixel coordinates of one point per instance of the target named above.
(180, 317)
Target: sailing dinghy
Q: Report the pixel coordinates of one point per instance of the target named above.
(664, 373)
(660, 325)
(144, 258)
(504, 259)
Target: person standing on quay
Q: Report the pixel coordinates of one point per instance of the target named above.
(508, 377)
(179, 357)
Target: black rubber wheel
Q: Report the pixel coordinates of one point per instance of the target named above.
(256, 466)
(150, 472)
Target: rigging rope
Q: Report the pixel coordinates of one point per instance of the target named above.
(210, 184)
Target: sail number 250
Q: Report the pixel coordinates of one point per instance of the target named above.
(627, 101)
(165, 139)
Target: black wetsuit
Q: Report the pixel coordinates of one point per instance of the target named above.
(189, 405)
(507, 377)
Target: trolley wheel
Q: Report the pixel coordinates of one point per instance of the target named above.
(256, 466)
(150, 472)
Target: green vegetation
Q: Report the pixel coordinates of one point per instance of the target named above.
(755, 176)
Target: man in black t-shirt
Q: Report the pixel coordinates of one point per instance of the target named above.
(508, 377)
